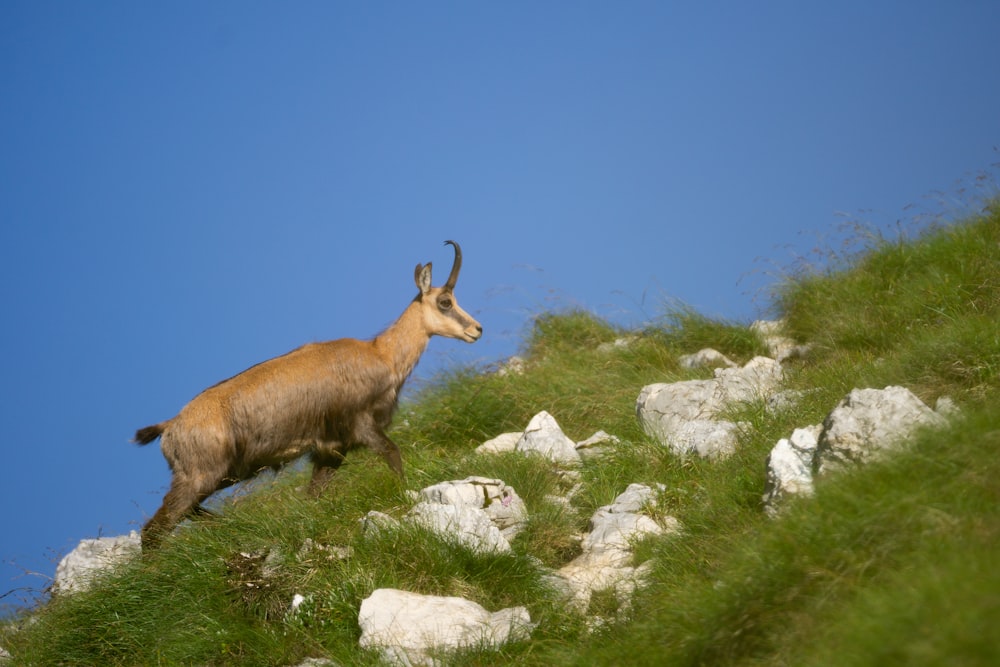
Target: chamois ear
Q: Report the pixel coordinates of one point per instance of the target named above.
(422, 276)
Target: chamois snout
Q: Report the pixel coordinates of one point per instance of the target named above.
(474, 333)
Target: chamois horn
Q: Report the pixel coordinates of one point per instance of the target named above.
(456, 267)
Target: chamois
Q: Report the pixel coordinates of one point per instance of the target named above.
(321, 399)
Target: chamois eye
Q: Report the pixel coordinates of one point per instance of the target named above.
(444, 304)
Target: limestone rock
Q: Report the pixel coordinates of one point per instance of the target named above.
(91, 558)
(780, 346)
(708, 438)
(374, 522)
(947, 408)
(607, 548)
(789, 467)
(468, 525)
(513, 366)
(596, 445)
(505, 442)
(500, 502)
(481, 513)
(409, 628)
(317, 662)
(864, 426)
(685, 415)
(706, 358)
(617, 344)
(758, 378)
(593, 447)
(869, 422)
(544, 437)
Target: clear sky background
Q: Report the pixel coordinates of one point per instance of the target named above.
(189, 188)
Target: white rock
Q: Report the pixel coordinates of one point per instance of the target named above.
(606, 550)
(614, 527)
(635, 498)
(408, 628)
(617, 344)
(497, 500)
(471, 491)
(706, 358)
(708, 438)
(758, 378)
(947, 408)
(626, 587)
(661, 406)
(614, 532)
(596, 445)
(865, 425)
(92, 557)
(869, 422)
(317, 662)
(790, 467)
(780, 346)
(785, 400)
(505, 442)
(374, 522)
(592, 572)
(544, 437)
(685, 415)
(467, 525)
(513, 366)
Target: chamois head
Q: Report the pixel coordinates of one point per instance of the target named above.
(441, 313)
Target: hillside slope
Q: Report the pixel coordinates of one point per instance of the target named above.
(893, 563)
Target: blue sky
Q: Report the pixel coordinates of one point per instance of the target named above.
(189, 188)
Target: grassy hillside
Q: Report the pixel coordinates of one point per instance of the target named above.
(892, 564)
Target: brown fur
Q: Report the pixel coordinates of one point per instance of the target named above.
(321, 399)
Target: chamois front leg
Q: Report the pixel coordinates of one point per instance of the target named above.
(389, 451)
(371, 435)
(326, 459)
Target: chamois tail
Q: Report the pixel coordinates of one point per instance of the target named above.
(146, 435)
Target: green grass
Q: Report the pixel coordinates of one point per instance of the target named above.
(892, 564)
